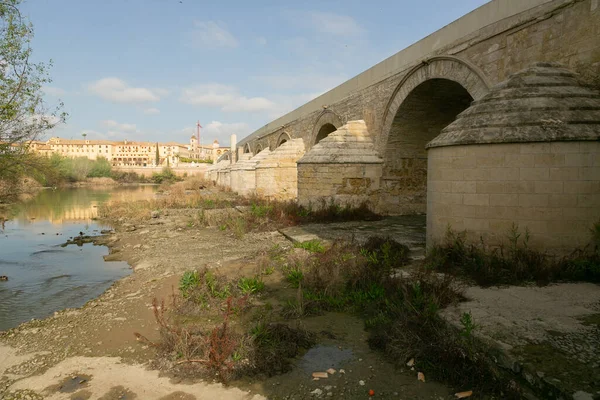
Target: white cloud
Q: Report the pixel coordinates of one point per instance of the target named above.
(334, 24)
(114, 125)
(225, 97)
(211, 34)
(117, 90)
(151, 111)
(54, 91)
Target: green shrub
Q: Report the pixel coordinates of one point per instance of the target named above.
(100, 168)
(166, 175)
(251, 285)
(313, 246)
(294, 277)
(189, 281)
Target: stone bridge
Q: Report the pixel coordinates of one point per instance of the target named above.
(520, 78)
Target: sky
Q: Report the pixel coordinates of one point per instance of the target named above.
(150, 69)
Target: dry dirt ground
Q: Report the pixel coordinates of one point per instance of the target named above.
(91, 352)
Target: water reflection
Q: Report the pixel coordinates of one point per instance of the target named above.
(44, 277)
(74, 204)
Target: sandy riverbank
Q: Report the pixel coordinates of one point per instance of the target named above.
(92, 353)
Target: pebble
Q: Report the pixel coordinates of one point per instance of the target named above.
(361, 383)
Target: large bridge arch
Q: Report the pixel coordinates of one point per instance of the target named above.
(426, 100)
(327, 122)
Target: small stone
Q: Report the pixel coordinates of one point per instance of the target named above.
(361, 383)
(319, 375)
(317, 392)
(331, 371)
(342, 371)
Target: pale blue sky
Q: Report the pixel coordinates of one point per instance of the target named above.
(148, 69)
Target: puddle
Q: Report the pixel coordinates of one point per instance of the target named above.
(71, 384)
(321, 358)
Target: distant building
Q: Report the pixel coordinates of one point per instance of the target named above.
(126, 152)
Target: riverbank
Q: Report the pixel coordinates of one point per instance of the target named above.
(113, 345)
(96, 343)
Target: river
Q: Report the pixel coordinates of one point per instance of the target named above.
(43, 276)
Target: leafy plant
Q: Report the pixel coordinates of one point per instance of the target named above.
(251, 285)
(466, 320)
(314, 246)
(188, 281)
(294, 277)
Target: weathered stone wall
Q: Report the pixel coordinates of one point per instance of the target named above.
(343, 168)
(242, 174)
(552, 189)
(277, 173)
(344, 184)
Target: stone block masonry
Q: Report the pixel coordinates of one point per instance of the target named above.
(343, 168)
(558, 210)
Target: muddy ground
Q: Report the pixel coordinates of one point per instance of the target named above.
(92, 353)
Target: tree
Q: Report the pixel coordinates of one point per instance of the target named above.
(157, 155)
(23, 114)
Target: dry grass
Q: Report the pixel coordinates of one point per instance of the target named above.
(514, 263)
(260, 214)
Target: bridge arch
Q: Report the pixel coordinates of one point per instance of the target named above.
(326, 123)
(427, 99)
(282, 138)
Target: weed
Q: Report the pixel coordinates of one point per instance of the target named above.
(275, 344)
(269, 270)
(514, 264)
(189, 281)
(294, 277)
(251, 285)
(314, 246)
(260, 210)
(466, 320)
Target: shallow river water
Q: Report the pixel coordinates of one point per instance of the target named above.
(43, 276)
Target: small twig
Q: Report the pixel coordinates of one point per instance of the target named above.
(144, 339)
(191, 361)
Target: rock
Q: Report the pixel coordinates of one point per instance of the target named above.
(137, 246)
(581, 395)
(317, 392)
(331, 371)
(154, 214)
(361, 383)
(319, 375)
